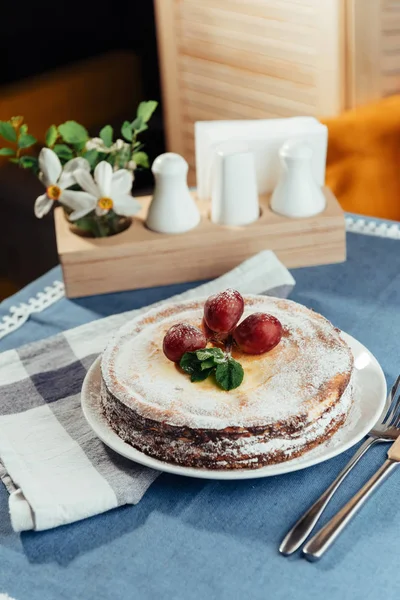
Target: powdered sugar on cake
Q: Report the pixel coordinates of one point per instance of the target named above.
(298, 381)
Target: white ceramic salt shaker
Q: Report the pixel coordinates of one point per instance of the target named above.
(297, 194)
(234, 194)
(172, 209)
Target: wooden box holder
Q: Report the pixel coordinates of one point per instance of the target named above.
(139, 258)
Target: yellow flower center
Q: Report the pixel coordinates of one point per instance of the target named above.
(105, 203)
(53, 192)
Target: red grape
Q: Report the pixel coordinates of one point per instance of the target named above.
(258, 333)
(182, 338)
(219, 338)
(223, 311)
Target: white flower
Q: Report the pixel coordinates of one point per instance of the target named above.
(97, 144)
(131, 165)
(106, 191)
(56, 180)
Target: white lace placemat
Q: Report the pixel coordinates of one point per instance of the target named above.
(20, 313)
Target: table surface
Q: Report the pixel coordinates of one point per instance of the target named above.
(194, 539)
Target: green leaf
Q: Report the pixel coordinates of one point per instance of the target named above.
(26, 140)
(215, 353)
(92, 156)
(51, 136)
(141, 159)
(189, 362)
(207, 364)
(229, 374)
(138, 125)
(29, 162)
(23, 128)
(126, 131)
(63, 152)
(73, 133)
(146, 109)
(15, 161)
(200, 375)
(7, 131)
(106, 135)
(6, 152)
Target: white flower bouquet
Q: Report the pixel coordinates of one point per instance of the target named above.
(90, 177)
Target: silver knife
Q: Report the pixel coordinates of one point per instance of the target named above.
(316, 547)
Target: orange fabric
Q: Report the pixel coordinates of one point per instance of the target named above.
(363, 165)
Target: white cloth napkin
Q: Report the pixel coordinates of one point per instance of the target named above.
(54, 467)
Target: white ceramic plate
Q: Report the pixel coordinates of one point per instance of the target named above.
(368, 404)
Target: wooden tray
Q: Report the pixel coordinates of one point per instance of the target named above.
(139, 258)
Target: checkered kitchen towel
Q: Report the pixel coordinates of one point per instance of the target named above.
(54, 467)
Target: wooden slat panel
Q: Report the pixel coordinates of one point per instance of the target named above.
(390, 84)
(391, 42)
(295, 12)
(391, 63)
(219, 108)
(168, 55)
(246, 43)
(243, 23)
(364, 51)
(275, 86)
(251, 62)
(284, 107)
(390, 21)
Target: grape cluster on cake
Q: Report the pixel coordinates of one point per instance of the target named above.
(169, 388)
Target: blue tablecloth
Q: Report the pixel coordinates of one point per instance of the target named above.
(193, 539)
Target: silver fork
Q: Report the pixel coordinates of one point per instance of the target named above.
(316, 547)
(381, 432)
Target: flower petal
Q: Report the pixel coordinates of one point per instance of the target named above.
(100, 212)
(102, 176)
(85, 180)
(126, 205)
(43, 205)
(78, 200)
(78, 214)
(121, 182)
(50, 166)
(67, 176)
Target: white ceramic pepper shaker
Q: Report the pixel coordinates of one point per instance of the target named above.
(297, 194)
(172, 209)
(234, 195)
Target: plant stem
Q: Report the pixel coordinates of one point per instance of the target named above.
(101, 229)
(228, 345)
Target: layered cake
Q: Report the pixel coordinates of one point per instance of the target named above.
(290, 398)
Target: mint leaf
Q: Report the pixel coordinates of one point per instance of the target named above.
(189, 362)
(215, 353)
(26, 140)
(146, 109)
(141, 159)
(207, 364)
(106, 135)
(73, 133)
(23, 128)
(6, 152)
(126, 131)
(200, 375)
(7, 131)
(229, 374)
(51, 136)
